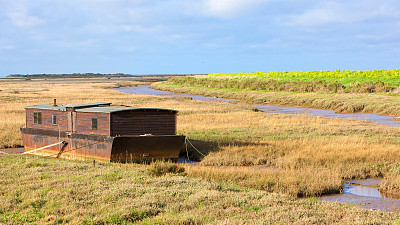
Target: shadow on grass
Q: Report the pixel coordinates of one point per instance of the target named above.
(196, 150)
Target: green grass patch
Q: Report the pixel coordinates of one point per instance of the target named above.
(344, 77)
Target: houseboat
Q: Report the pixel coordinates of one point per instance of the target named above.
(101, 131)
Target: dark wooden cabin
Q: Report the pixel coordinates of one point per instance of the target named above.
(101, 121)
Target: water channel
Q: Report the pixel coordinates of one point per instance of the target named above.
(363, 193)
(370, 117)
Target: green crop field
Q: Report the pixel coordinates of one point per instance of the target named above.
(344, 91)
(344, 77)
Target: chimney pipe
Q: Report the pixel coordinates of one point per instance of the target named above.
(55, 102)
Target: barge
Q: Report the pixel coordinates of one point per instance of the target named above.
(101, 131)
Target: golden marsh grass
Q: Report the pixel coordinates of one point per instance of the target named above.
(47, 191)
(299, 155)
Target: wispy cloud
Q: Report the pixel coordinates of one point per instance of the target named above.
(165, 30)
(20, 16)
(352, 11)
(230, 8)
(128, 48)
(7, 47)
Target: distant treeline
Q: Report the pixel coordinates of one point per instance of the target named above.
(86, 75)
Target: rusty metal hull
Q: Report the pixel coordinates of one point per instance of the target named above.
(105, 148)
(134, 148)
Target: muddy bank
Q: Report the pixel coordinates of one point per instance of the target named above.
(12, 150)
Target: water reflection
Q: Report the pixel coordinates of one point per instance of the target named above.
(361, 189)
(370, 117)
(365, 194)
(146, 90)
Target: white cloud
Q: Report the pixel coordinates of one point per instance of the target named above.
(115, 28)
(272, 43)
(88, 42)
(149, 29)
(352, 11)
(6, 44)
(320, 17)
(376, 37)
(7, 47)
(229, 8)
(19, 15)
(129, 48)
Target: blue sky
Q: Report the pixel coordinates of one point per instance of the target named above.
(197, 36)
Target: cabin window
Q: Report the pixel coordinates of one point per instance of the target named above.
(54, 120)
(94, 124)
(37, 118)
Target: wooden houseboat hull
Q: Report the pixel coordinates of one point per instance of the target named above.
(130, 148)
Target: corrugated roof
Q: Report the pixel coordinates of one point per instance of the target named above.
(47, 106)
(64, 106)
(101, 107)
(91, 105)
(112, 109)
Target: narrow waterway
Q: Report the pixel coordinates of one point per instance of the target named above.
(146, 90)
(365, 194)
(370, 117)
(362, 193)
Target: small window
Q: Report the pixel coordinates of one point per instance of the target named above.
(94, 124)
(37, 118)
(54, 120)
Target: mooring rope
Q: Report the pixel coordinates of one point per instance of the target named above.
(41, 148)
(194, 147)
(50, 156)
(186, 139)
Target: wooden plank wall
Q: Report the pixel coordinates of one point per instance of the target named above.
(143, 122)
(47, 119)
(122, 123)
(84, 123)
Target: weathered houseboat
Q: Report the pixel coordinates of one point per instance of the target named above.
(102, 131)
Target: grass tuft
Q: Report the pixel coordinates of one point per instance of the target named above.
(160, 168)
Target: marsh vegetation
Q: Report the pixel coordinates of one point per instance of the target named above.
(47, 191)
(346, 151)
(253, 165)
